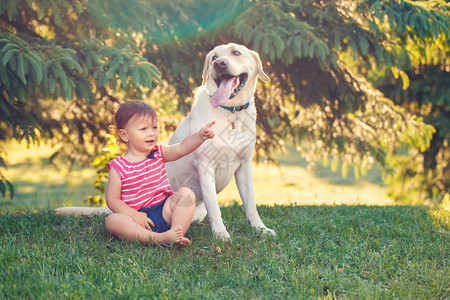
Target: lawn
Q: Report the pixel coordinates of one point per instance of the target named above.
(360, 245)
(356, 252)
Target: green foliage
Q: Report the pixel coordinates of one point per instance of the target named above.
(50, 63)
(101, 164)
(417, 20)
(326, 101)
(281, 36)
(421, 87)
(56, 50)
(66, 64)
(427, 168)
(66, 73)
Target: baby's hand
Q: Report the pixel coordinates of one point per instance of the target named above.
(206, 132)
(142, 219)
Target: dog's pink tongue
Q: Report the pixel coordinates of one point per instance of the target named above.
(223, 92)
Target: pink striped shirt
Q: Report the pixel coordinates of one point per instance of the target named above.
(144, 183)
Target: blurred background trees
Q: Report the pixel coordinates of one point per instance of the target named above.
(354, 83)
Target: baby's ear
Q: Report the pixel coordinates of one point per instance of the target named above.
(123, 135)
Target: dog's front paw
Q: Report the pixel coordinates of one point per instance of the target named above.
(222, 235)
(268, 231)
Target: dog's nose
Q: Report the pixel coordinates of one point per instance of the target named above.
(220, 65)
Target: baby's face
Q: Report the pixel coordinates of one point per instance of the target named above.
(141, 134)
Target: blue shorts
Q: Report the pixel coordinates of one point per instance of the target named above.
(155, 213)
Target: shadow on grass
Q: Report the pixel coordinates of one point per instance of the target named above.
(43, 195)
(39, 184)
(293, 158)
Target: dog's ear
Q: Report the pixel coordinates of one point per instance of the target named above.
(263, 76)
(206, 68)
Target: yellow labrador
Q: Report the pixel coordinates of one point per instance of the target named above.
(226, 96)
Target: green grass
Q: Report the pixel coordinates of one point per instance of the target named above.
(355, 252)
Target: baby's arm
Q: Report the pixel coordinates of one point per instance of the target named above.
(113, 190)
(189, 144)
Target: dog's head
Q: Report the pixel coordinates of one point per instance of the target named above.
(230, 73)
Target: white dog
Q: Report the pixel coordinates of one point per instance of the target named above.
(226, 96)
(230, 74)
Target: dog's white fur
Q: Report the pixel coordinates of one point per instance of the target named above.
(210, 168)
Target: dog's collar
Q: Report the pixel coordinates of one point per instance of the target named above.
(235, 108)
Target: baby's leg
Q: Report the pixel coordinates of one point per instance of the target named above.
(124, 227)
(179, 210)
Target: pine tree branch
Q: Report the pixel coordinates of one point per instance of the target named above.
(20, 27)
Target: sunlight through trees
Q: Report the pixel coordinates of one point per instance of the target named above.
(353, 83)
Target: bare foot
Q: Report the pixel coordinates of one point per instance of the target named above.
(174, 235)
(184, 242)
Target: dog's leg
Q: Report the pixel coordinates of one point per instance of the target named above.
(208, 186)
(244, 182)
(200, 212)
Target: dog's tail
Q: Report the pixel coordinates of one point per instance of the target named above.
(80, 210)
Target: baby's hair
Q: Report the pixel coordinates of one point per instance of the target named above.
(132, 110)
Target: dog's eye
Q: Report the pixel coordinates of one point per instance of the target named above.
(214, 57)
(236, 53)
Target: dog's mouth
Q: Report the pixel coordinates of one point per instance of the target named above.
(228, 86)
